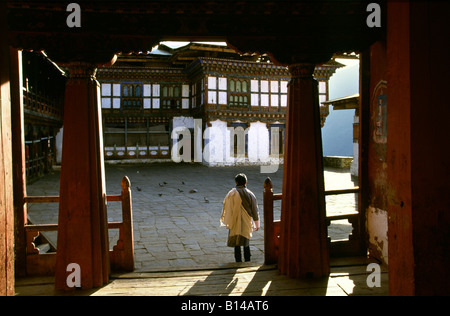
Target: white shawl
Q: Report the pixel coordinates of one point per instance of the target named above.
(235, 217)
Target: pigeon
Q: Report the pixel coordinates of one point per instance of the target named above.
(193, 191)
(182, 182)
(161, 185)
(138, 188)
(179, 190)
(206, 200)
(165, 182)
(160, 194)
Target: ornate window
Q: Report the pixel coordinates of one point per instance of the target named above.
(171, 96)
(238, 92)
(132, 96)
(197, 91)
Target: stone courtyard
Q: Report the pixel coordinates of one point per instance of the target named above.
(177, 207)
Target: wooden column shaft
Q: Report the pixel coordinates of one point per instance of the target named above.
(82, 223)
(304, 246)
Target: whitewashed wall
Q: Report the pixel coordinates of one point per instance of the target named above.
(355, 163)
(59, 144)
(258, 142)
(377, 229)
(218, 149)
(219, 146)
(216, 140)
(183, 121)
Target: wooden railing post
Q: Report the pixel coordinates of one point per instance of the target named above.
(269, 246)
(127, 219)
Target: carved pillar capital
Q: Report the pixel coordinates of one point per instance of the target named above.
(83, 69)
(301, 70)
(79, 70)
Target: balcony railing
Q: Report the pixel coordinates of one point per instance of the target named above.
(272, 227)
(121, 255)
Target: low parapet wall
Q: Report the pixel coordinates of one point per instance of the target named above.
(341, 162)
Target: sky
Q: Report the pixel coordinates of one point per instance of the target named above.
(337, 133)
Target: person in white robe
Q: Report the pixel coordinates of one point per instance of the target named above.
(240, 215)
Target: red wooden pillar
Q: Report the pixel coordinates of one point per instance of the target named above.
(82, 223)
(6, 183)
(417, 156)
(303, 245)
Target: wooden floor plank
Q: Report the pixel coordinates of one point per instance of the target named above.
(248, 280)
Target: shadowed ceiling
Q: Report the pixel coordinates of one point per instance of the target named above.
(289, 31)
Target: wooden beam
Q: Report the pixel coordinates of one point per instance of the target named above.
(212, 49)
(342, 191)
(41, 199)
(187, 58)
